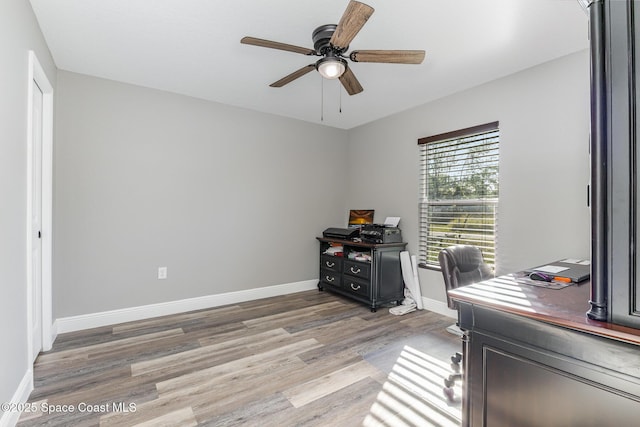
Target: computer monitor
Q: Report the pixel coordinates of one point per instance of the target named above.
(360, 217)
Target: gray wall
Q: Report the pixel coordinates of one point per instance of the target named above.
(226, 198)
(220, 195)
(544, 162)
(19, 33)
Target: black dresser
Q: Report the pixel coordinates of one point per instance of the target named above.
(367, 272)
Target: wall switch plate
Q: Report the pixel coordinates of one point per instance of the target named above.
(162, 272)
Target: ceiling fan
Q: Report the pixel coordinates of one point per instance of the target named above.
(331, 42)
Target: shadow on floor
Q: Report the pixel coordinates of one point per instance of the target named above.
(412, 394)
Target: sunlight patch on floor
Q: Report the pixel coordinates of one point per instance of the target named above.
(412, 394)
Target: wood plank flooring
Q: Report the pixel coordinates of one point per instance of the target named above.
(305, 359)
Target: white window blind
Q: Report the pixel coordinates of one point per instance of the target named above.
(459, 191)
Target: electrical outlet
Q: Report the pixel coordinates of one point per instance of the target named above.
(162, 272)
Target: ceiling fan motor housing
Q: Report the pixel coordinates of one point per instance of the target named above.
(321, 37)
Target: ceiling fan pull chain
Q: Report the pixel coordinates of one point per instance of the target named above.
(322, 100)
(340, 98)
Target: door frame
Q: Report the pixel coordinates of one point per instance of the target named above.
(36, 74)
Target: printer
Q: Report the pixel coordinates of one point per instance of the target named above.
(340, 233)
(380, 233)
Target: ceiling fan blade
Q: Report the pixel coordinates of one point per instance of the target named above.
(296, 74)
(277, 45)
(353, 19)
(350, 83)
(388, 56)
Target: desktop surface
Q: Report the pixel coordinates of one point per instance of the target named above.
(566, 307)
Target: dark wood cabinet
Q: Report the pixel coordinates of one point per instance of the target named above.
(369, 273)
(533, 358)
(615, 217)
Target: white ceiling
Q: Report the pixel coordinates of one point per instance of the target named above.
(192, 47)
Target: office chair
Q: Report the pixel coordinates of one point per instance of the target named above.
(461, 265)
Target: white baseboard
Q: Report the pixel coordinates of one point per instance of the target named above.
(94, 320)
(10, 419)
(439, 307)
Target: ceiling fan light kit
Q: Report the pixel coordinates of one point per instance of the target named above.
(331, 67)
(331, 43)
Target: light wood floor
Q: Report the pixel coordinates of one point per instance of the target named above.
(305, 359)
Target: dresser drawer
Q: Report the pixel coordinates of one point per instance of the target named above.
(332, 263)
(358, 287)
(330, 277)
(357, 269)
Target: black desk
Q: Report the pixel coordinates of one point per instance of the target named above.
(533, 358)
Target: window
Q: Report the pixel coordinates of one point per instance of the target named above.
(459, 191)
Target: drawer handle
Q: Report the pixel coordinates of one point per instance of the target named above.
(330, 279)
(355, 271)
(354, 287)
(330, 264)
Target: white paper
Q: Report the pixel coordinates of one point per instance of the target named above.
(392, 221)
(576, 261)
(551, 269)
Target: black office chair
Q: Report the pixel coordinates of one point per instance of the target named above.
(461, 265)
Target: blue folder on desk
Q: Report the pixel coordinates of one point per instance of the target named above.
(574, 269)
